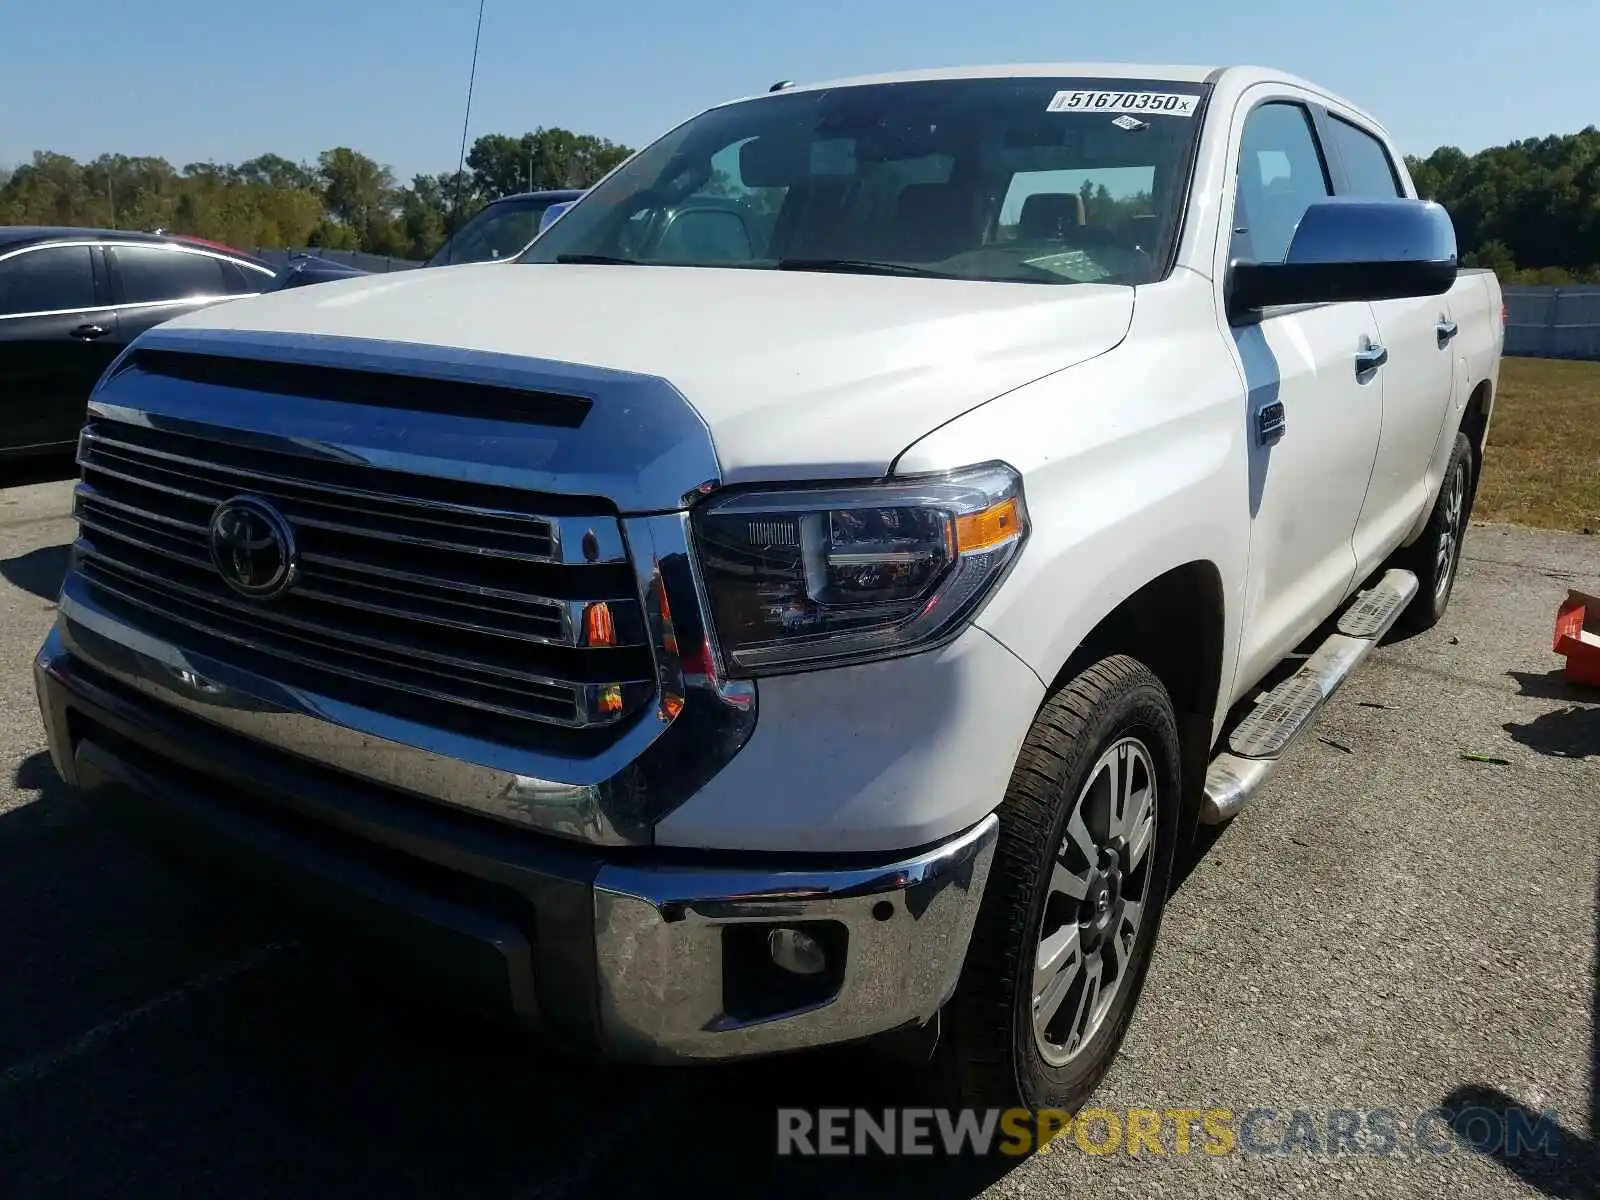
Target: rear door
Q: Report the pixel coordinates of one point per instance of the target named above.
(154, 282)
(1312, 412)
(54, 343)
(1417, 379)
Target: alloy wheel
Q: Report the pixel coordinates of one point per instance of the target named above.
(1450, 533)
(1098, 895)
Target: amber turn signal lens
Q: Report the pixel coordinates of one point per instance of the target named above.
(599, 628)
(990, 528)
(611, 699)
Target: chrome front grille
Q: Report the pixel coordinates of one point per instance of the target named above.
(498, 613)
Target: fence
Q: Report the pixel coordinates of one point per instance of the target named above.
(1553, 322)
(377, 263)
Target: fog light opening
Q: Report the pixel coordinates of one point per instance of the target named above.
(797, 952)
(770, 969)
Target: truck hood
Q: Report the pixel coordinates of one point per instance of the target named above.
(796, 374)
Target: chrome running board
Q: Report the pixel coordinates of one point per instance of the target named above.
(1257, 744)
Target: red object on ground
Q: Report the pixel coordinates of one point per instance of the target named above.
(1578, 637)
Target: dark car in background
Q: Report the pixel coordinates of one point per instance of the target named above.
(70, 299)
(304, 269)
(501, 229)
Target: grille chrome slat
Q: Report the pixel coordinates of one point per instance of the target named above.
(551, 630)
(298, 627)
(119, 527)
(135, 461)
(296, 513)
(357, 520)
(99, 467)
(88, 493)
(541, 619)
(467, 609)
(463, 592)
(258, 478)
(130, 593)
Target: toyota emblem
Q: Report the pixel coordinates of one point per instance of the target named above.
(252, 547)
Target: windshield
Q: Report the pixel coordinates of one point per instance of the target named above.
(502, 230)
(1037, 180)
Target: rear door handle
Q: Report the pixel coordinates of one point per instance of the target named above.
(1447, 331)
(1370, 358)
(88, 333)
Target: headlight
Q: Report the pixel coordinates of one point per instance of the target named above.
(826, 575)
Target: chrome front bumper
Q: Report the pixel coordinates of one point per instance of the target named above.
(627, 959)
(660, 939)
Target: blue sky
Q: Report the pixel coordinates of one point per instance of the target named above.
(191, 81)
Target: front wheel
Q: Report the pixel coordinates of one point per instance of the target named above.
(1074, 900)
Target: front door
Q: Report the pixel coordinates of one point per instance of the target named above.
(1314, 419)
(54, 344)
(1313, 407)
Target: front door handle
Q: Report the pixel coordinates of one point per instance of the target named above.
(88, 333)
(1447, 331)
(1370, 358)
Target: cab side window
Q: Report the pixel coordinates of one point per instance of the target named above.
(1281, 173)
(54, 279)
(1368, 169)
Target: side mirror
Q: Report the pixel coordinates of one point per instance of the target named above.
(548, 217)
(1354, 249)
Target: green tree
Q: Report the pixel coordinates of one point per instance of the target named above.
(545, 158)
(424, 208)
(275, 171)
(1495, 255)
(356, 190)
(49, 190)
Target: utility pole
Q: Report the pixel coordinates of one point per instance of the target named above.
(110, 203)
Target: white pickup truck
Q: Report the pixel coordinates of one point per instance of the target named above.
(817, 590)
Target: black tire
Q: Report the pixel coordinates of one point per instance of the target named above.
(1435, 556)
(990, 1048)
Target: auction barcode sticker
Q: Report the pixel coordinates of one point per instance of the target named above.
(1165, 104)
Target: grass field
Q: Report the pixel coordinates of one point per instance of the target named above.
(1542, 466)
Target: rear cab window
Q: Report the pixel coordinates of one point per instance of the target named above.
(1365, 163)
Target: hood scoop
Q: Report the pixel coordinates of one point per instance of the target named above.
(377, 389)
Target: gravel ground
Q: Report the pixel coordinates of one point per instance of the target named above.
(1390, 927)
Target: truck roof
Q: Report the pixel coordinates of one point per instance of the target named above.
(1178, 74)
(1238, 77)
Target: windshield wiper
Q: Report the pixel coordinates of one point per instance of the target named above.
(861, 266)
(599, 259)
